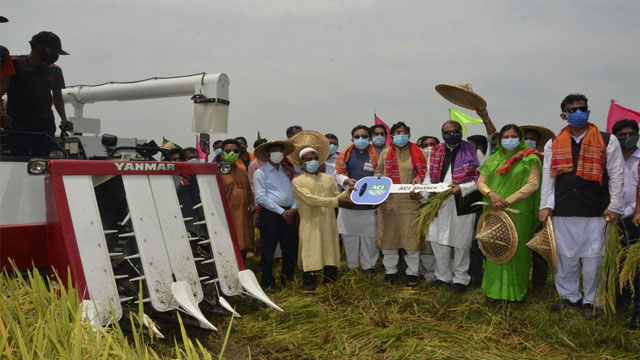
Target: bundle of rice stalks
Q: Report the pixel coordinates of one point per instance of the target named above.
(428, 210)
(631, 265)
(609, 270)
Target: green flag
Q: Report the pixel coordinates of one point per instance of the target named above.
(462, 119)
(259, 136)
(167, 141)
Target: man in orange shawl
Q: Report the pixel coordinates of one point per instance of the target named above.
(358, 225)
(582, 187)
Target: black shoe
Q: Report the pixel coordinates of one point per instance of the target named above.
(590, 312)
(564, 304)
(368, 273)
(390, 278)
(309, 286)
(284, 279)
(439, 283)
(634, 324)
(412, 281)
(458, 288)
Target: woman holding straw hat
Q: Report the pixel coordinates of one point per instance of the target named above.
(511, 178)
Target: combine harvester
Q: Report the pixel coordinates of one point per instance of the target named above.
(111, 225)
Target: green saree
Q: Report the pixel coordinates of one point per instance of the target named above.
(510, 281)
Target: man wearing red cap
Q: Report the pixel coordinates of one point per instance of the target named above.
(36, 85)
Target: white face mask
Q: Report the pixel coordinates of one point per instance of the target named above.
(276, 157)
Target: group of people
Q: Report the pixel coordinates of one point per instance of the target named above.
(580, 180)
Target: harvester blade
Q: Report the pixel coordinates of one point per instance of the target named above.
(183, 295)
(250, 284)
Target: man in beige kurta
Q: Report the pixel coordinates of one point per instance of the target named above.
(396, 216)
(317, 197)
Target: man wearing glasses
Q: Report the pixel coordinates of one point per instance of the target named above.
(239, 196)
(453, 162)
(358, 225)
(582, 187)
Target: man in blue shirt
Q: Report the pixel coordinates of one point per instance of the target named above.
(278, 212)
(358, 225)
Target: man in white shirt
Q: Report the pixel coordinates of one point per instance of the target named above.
(582, 186)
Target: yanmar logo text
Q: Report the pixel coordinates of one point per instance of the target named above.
(127, 166)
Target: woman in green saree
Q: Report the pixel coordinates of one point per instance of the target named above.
(511, 178)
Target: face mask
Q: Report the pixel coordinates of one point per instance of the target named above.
(578, 118)
(629, 142)
(510, 144)
(312, 166)
(379, 140)
(49, 58)
(193, 160)
(452, 139)
(276, 157)
(333, 148)
(231, 157)
(361, 143)
(401, 140)
(217, 151)
(531, 144)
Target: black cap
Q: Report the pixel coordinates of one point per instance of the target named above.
(3, 19)
(49, 40)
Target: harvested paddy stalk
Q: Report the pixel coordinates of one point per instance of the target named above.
(428, 210)
(630, 257)
(609, 270)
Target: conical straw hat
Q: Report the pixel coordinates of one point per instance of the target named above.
(310, 138)
(544, 243)
(497, 236)
(462, 95)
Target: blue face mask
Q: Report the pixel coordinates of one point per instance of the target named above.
(217, 152)
(379, 140)
(510, 144)
(401, 140)
(361, 143)
(333, 149)
(531, 144)
(578, 118)
(312, 166)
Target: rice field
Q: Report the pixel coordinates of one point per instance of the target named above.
(355, 318)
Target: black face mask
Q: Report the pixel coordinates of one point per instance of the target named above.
(49, 58)
(452, 139)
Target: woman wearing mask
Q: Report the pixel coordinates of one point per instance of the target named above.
(511, 178)
(404, 163)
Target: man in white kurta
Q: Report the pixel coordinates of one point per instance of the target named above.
(448, 232)
(580, 239)
(317, 196)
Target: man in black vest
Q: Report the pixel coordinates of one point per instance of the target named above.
(582, 186)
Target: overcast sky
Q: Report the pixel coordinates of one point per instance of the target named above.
(328, 65)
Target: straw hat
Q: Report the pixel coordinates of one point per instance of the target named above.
(261, 151)
(168, 145)
(308, 138)
(462, 95)
(544, 243)
(497, 236)
(545, 134)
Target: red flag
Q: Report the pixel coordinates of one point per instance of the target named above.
(617, 113)
(201, 154)
(380, 122)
